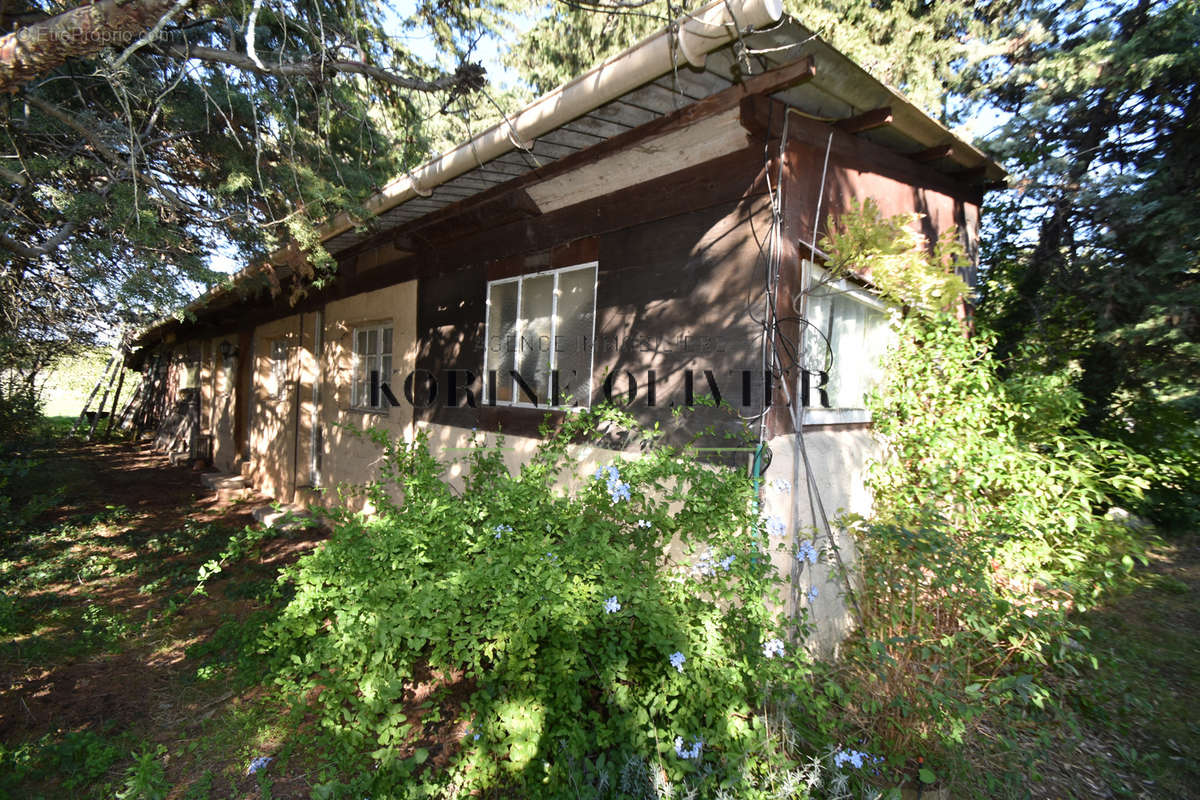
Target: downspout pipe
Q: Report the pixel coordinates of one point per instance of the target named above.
(693, 36)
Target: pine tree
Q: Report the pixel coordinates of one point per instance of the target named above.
(205, 128)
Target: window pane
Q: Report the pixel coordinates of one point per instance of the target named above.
(372, 341)
(360, 347)
(846, 377)
(857, 338)
(533, 346)
(573, 334)
(386, 343)
(501, 344)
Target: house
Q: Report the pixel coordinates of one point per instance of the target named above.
(627, 234)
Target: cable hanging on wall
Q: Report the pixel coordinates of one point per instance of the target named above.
(783, 358)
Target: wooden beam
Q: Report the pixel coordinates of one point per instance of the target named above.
(510, 206)
(775, 80)
(932, 153)
(875, 118)
(846, 149)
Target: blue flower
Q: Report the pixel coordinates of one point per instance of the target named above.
(677, 659)
(617, 489)
(727, 562)
(611, 606)
(772, 648)
(259, 763)
(499, 529)
(781, 485)
(852, 757)
(807, 552)
(812, 595)
(643, 523)
(692, 752)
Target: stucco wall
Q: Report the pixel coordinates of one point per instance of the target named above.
(346, 458)
(839, 457)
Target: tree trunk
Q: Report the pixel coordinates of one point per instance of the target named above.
(39, 48)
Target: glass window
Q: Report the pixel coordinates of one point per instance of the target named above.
(372, 367)
(541, 327)
(844, 344)
(189, 375)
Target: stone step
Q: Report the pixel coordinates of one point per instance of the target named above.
(222, 481)
(285, 517)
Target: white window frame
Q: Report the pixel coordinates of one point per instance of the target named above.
(819, 277)
(364, 404)
(581, 402)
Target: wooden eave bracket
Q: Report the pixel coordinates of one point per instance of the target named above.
(868, 120)
(778, 79)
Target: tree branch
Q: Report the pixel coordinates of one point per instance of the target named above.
(37, 49)
(110, 155)
(467, 77)
(44, 249)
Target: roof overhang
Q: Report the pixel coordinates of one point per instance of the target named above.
(704, 54)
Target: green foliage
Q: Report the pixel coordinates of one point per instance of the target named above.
(146, 778)
(1094, 262)
(507, 592)
(23, 491)
(987, 533)
(571, 39)
(893, 253)
(20, 408)
(76, 760)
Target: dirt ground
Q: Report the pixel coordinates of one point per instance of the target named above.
(123, 550)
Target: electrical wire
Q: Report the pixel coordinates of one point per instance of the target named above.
(777, 347)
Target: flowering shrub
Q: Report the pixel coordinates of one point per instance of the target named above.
(575, 620)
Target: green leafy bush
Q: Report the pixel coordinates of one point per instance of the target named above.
(20, 410)
(22, 494)
(987, 532)
(624, 617)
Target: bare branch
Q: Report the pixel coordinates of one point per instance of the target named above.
(467, 77)
(35, 252)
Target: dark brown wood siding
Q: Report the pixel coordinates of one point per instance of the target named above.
(681, 269)
(678, 278)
